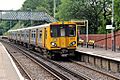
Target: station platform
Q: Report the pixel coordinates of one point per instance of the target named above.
(100, 52)
(8, 69)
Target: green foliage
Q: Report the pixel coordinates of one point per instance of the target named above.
(6, 25)
(70, 9)
(97, 12)
(82, 9)
(31, 4)
(117, 13)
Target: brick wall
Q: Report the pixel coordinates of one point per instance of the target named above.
(100, 39)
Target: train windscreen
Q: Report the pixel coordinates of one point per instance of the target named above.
(63, 30)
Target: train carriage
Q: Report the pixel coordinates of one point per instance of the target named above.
(12, 35)
(56, 38)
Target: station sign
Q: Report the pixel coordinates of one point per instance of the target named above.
(109, 27)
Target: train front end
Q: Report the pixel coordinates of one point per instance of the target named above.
(63, 37)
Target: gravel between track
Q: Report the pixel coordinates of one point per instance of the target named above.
(82, 70)
(34, 70)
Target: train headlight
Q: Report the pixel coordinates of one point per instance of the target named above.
(72, 43)
(53, 44)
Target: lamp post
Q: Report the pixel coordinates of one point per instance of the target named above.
(86, 32)
(54, 9)
(112, 31)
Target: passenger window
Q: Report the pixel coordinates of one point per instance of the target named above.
(34, 35)
(40, 34)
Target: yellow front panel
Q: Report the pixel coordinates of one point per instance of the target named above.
(63, 42)
(70, 40)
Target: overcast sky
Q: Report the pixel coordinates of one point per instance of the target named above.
(11, 4)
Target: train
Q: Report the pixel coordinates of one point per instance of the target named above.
(53, 39)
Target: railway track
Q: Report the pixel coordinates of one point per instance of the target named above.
(60, 71)
(76, 69)
(87, 71)
(32, 69)
(92, 73)
(111, 75)
(20, 67)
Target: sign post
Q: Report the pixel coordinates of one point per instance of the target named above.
(110, 27)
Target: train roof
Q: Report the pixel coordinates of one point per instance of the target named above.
(34, 27)
(12, 30)
(40, 26)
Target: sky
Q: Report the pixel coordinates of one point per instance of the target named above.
(11, 4)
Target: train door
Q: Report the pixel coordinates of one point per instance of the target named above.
(45, 37)
(36, 37)
(40, 37)
(29, 36)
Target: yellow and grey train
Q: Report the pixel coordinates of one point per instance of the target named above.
(57, 38)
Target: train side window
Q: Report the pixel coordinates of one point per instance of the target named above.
(34, 35)
(26, 35)
(40, 34)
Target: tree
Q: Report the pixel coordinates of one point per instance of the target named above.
(117, 13)
(92, 10)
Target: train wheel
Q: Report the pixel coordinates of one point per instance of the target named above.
(49, 54)
(72, 52)
(57, 56)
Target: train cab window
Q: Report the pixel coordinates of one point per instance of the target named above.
(72, 30)
(54, 31)
(62, 31)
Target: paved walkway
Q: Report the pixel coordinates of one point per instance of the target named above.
(8, 69)
(100, 52)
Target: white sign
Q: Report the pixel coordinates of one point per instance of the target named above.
(109, 27)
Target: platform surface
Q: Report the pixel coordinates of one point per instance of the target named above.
(100, 52)
(8, 69)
